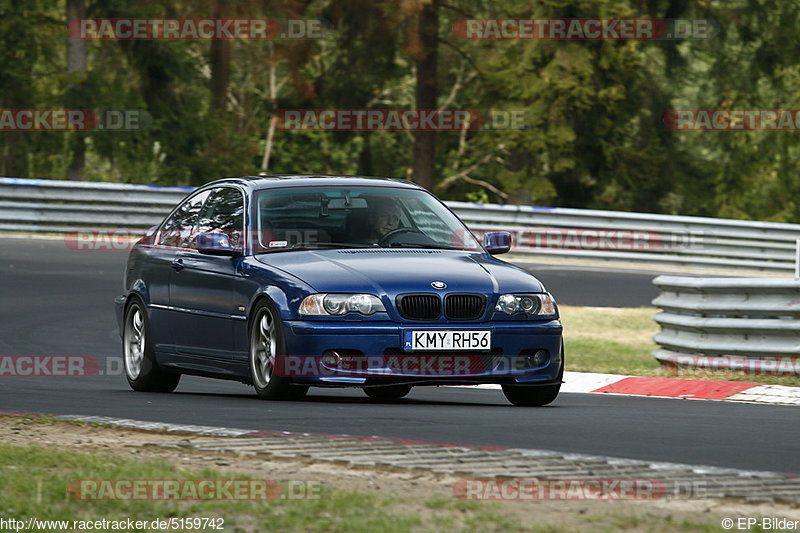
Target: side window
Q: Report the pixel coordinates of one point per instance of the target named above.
(223, 212)
(177, 229)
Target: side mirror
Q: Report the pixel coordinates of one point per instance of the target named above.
(215, 244)
(497, 242)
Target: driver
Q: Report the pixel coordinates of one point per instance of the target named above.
(384, 217)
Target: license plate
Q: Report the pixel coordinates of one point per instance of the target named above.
(448, 340)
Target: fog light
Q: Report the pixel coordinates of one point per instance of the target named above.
(539, 358)
(331, 359)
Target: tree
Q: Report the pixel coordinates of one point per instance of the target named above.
(422, 47)
(77, 65)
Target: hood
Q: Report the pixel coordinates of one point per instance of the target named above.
(394, 271)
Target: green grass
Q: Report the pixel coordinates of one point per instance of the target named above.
(34, 480)
(620, 341)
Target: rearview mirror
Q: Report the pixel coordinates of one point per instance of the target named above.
(215, 244)
(342, 203)
(497, 242)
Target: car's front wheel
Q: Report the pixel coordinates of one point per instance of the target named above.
(535, 395)
(141, 368)
(531, 395)
(266, 346)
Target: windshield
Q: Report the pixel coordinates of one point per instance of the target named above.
(356, 217)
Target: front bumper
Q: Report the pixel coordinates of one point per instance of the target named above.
(372, 353)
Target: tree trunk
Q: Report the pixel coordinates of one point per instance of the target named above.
(15, 143)
(77, 61)
(15, 155)
(268, 144)
(77, 162)
(15, 88)
(76, 48)
(273, 99)
(424, 164)
(220, 64)
(365, 167)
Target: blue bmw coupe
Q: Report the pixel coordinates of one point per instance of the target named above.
(287, 282)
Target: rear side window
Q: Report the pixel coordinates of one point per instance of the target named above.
(177, 230)
(223, 212)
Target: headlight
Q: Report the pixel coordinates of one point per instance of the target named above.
(340, 304)
(534, 305)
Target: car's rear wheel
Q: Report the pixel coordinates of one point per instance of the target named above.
(141, 368)
(266, 347)
(387, 393)
(535, 395)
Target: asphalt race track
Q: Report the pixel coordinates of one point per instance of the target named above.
(57, 301)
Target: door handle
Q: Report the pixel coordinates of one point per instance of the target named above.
(177, 265)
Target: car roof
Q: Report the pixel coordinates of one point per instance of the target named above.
(303, 180)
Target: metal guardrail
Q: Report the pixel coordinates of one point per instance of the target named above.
(62, 206)
(717, 322)
(698, 242)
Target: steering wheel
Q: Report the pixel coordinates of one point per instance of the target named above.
(385, 239)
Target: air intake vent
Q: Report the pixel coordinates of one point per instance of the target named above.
(419, 306)
(477, 362)
(464, 306)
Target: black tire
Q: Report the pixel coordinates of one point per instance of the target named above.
(388, 393)
(267, 344)
(531, 395)
(138, 354)
(535, 395)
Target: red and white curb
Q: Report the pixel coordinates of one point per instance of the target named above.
(769, 394)
(688, 389)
